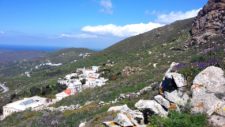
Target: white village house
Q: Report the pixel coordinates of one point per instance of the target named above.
(74, 85)
(64, 94)
(35, 102)
(73, 81)
(93, 82)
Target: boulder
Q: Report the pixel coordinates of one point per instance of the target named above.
(168, 83)
(146, 89)
(176, 98)
(197, 90)
(162, 101)
(221, 109)
(111, 124)
(134, 115)
(82, 124)
(152, 105)
(206, 103)
(217, 121)
(123, 108)
(173, 81)
(123, 120)
(179, 80)
(173, 64)
(212, 78)
(206, 88)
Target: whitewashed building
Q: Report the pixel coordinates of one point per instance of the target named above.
(64, 94)
(75, 85)
(35, 102)
(70, 76)
(94, 82)
(90, 75)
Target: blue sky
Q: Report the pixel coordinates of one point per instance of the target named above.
(86, 23)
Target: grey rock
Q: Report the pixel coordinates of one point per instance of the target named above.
(212, 78)
(162, 101)
(217, 121)
(123, 120)
(206, 103)
(151, 105)
(133, 115)
(174, 97)
(123, 108)
(110, 124)
(209, 22)
(179, 80)
(206, 87)
(82, 124)
(146, 89)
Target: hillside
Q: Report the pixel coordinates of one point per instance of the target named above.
(13, 73)
(149, 39)
(7, 56)
(18, 62)
(162, 53)
(67, 55)
(147, 57)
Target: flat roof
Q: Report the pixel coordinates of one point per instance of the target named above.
(26, 103)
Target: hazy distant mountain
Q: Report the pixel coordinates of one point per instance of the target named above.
(7, 56)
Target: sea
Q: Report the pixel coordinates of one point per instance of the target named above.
(28, 48)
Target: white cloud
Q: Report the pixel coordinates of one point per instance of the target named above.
(135, 29)
(176, 15)
(78, 36)
(107, 6)
(121, 31)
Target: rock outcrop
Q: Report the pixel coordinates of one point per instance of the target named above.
(171, 98)
(209, 22)
(208, 95)
(127, 71)
(180, 99)
(151, 105)
(162, 101)
(125, 117)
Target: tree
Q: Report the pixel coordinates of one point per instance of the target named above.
(35, 91)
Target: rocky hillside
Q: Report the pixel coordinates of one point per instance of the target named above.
(135, 68)
(209, 22)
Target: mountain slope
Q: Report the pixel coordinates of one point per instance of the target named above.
(18, 62)
(155, 50)
(150, 52)
(157, 36)
(7, 56)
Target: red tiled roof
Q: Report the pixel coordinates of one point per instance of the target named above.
(68, 91)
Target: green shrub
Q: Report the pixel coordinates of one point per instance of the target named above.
(189, 73)
(197, 58)
(176, 119)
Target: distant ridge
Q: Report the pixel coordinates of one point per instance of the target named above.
(28, 48)
(149, 39)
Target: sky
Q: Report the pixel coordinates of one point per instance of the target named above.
(94, 24)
